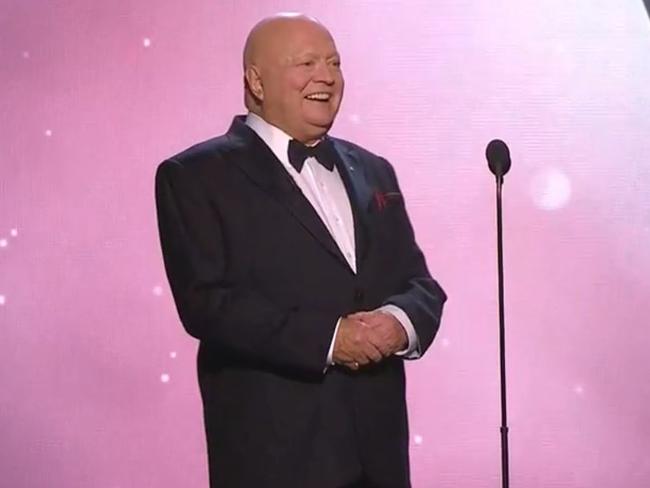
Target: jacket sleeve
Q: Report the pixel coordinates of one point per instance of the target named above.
(419, 296)
(217, 308)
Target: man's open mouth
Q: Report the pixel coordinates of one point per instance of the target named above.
(319, 97)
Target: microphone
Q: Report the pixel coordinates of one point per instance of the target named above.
(498, 156)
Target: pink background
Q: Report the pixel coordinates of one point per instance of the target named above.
(97, 377)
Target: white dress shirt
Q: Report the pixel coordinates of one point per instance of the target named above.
(326, 192)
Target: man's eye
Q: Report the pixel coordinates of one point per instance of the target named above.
(307, 63)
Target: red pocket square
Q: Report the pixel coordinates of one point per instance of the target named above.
(384, 199)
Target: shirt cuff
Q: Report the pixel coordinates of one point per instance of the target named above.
(330, 352)
(412, 350)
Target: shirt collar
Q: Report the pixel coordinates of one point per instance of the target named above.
(276, 139)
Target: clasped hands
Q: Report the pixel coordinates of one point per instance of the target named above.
(368, 337)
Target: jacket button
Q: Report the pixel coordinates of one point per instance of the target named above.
(358, 295)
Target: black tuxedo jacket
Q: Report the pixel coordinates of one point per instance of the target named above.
(258, 279)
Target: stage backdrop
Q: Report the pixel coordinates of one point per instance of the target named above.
(97, 377)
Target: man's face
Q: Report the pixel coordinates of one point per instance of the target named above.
(303, 82)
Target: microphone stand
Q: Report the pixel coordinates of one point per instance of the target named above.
(505, 475)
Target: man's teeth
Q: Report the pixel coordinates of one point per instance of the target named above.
(321, 97)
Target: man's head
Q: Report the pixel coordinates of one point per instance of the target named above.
(293, 76)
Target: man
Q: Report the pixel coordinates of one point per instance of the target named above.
(291, 258)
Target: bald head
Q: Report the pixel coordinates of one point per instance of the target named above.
(292, 75)
(268, 33)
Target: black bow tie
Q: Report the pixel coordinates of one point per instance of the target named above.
(324, 152)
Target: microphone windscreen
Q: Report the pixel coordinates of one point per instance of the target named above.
(498, 156)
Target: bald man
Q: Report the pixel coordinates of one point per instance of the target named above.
(292, 259)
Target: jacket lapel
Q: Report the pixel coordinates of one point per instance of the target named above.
(259, 163)
(359, 192)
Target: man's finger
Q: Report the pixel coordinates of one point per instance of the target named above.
(373, 352)
(360, 315)
(353, 365)
(380, 340)
(362, 359)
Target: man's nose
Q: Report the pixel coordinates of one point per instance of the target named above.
(324, 73)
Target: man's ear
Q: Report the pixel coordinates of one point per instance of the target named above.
(254, 82)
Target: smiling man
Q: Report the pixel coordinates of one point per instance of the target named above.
(292, 259)
(293, 75)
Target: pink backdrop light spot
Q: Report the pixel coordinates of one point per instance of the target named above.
(97, 377)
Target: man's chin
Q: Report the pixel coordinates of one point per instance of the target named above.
(321, 116)
(316, 132)
(320, 124)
